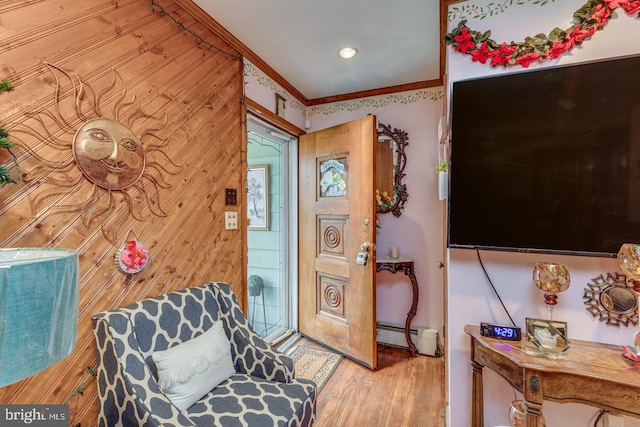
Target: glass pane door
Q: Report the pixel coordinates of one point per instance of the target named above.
(269, 193)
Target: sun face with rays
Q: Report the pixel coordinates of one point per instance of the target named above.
(118, 160)
(109, 154)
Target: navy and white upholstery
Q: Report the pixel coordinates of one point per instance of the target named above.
(262, 393)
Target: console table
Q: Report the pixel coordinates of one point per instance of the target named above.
(403, 265)
(591, 373)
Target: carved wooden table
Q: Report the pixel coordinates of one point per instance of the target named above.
(591, 373)
(403, 265)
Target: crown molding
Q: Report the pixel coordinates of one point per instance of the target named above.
(376, 92)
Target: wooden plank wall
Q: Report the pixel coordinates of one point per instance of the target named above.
(200, 93)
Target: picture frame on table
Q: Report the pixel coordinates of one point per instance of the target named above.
(258, 197)
(547, 337)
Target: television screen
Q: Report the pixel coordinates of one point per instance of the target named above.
(547, 160)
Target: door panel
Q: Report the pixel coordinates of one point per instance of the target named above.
(337, 303)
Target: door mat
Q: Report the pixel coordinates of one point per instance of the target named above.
(315, 364)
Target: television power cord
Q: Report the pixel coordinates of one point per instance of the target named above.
(494, 288)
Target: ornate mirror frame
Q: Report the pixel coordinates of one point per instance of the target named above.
(400, 195)
(612, 299)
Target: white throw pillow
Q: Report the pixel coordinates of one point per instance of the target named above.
(191, 369)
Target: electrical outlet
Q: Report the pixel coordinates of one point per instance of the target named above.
(230, 220)
(615, 420)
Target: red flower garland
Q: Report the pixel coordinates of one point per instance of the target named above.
(591, 17)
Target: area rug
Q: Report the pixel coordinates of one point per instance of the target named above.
(315, 364)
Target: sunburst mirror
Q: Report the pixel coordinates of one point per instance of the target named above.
(611, 299)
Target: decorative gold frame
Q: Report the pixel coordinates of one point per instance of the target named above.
(605, 299)
(400, 141)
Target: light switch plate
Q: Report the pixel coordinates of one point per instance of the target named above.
(230, 197)
(230, 220)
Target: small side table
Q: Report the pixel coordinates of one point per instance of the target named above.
(403, 265)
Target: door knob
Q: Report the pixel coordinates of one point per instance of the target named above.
(440, 264)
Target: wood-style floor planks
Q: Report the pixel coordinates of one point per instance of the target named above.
(402, 392)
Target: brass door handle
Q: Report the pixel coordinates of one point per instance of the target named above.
(366, 247)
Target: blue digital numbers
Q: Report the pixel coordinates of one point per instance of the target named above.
(500, 331)
(503, 332)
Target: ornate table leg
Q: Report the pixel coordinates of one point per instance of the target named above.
(407, 268)
(534, 414)
(409, 271)
(477, 400)
(533, 399)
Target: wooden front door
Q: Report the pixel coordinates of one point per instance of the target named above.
(337, 214)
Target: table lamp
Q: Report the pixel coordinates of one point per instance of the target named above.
(38, 309)
(629, 262)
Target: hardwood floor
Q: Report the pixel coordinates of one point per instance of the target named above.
(402, 392)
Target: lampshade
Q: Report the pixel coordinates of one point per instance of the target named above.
(38, 309)
(629, 260)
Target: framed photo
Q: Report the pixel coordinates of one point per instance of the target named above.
(258, 197)
(281, 104)
(547, 337)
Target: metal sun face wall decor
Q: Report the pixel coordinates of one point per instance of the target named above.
(119, 153)
(109, 154)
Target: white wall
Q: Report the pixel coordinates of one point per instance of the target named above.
(470, 297)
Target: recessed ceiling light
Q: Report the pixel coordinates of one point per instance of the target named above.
(347, 52)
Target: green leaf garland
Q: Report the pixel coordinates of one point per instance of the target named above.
(5, 171)
(5, 175)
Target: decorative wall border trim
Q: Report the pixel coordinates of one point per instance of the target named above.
(411, 97)
(473, 11)
(266, 81)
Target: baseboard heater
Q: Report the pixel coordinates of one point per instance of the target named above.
(425, 339)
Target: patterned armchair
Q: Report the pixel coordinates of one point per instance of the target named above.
(262, 392)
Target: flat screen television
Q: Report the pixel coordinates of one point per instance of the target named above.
(547, 160)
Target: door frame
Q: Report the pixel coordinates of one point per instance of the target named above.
(270, 119)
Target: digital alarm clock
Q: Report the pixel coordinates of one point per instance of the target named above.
(503, 332)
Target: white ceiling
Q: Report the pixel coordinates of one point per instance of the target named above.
(398, 40)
